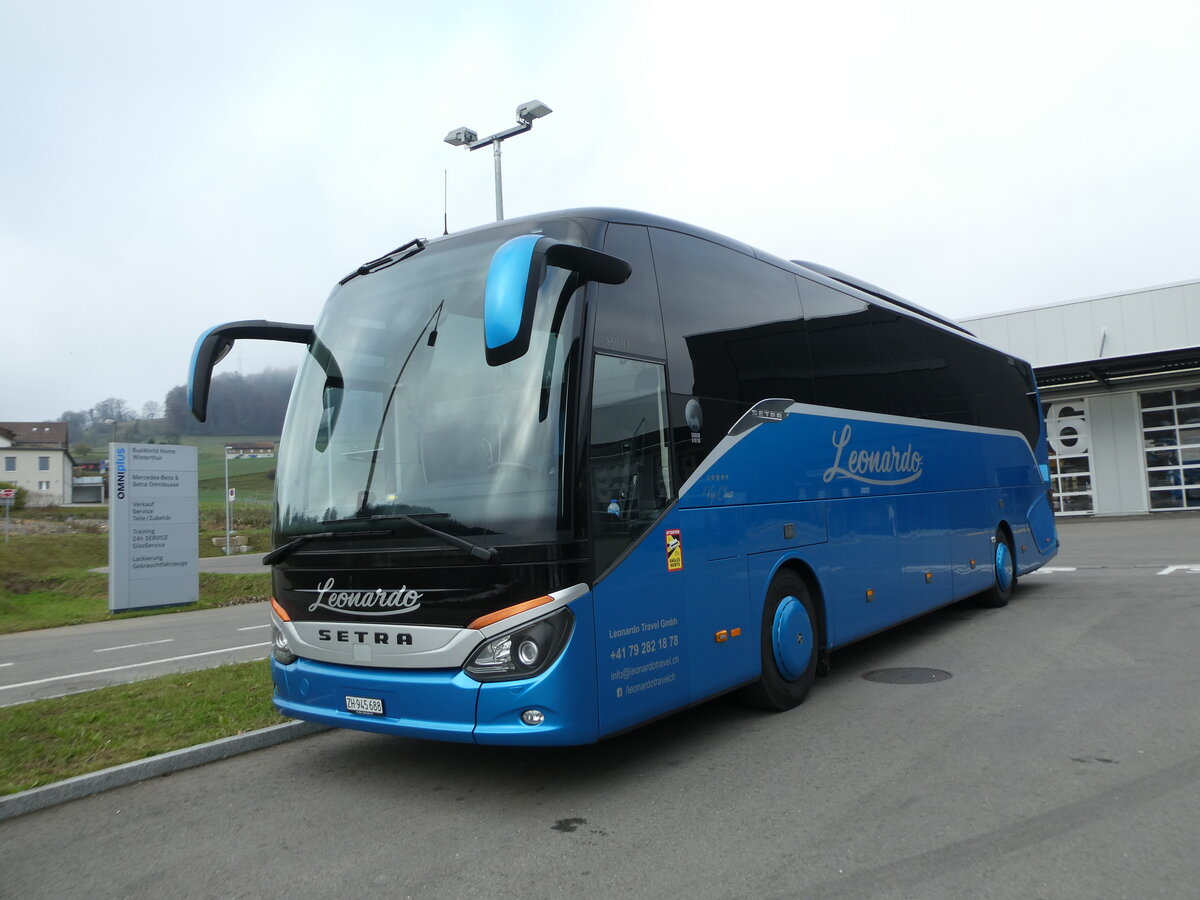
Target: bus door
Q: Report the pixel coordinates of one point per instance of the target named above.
(641, 652)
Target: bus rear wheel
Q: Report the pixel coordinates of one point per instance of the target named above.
(1004, 567)
(789, 646)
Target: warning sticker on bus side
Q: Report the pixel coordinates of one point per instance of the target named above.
(674, 551)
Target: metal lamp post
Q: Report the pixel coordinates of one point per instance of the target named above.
(228, 505)
(465, 137)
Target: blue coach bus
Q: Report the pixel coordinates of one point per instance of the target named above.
(546, 480)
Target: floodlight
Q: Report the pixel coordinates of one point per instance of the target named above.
(534, 109)
(465, 137)
(460, 137)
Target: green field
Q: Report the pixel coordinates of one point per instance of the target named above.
(45, 582)
(45, 578)
(254, 479)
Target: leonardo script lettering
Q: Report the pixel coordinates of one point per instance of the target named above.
(379, 602)
(866, 465)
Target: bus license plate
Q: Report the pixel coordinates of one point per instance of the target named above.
(364, 706)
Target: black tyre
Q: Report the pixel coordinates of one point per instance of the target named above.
(789, 641)
(1004, 573)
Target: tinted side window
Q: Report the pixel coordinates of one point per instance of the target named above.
(904, 361)
(1004, 398)
(917, 362)
(943, 393)
(845, 352)
(734, 323)
(995, 387)
(627, 315)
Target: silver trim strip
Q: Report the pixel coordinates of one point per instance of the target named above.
(728, 442)
(397, 646)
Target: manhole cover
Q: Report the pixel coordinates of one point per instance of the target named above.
(907, 675)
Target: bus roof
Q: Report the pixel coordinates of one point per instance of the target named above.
(634, 217)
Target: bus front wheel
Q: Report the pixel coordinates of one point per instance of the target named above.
(1004, 567)
(789, 646)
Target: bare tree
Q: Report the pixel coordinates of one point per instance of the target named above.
(151, 409)
(114, 409)
(77, 421)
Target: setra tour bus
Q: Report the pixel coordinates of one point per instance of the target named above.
(549, 479)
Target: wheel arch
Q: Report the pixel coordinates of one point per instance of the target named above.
(1005, 528)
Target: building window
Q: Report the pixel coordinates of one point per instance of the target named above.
(10, 464)
(1070, 457)
(43, 464)
(43, 485)
(1171, 440)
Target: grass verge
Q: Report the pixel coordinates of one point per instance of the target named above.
(76, 598)
(212, 542)
(49, 740)
(45, 583)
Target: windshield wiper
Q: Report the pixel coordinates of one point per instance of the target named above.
(285, 549)
(476, 550)
(401, 253)
(433, 319)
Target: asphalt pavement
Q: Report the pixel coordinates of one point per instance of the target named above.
(50, 663)
(35, 665)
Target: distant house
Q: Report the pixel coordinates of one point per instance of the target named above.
(90, 481)
(34, 456)
(252, 450)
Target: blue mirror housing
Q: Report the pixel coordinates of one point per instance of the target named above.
(517, 271)
(509, 296)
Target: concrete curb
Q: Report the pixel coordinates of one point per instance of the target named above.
(80, 786)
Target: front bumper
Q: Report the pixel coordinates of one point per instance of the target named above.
(449, 705)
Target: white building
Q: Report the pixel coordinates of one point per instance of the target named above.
(1120, 383)
(34, 456)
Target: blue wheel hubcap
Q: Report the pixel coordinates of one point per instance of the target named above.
(1004, 566)
(792, 638)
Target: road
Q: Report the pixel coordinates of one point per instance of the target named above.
(1061, 759)
(35, 665)
(58, 661)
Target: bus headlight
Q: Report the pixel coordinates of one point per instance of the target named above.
(280, 648)
(524, 651)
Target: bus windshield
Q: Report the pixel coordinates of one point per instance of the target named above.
(395, 412)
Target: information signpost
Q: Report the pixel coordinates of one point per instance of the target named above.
(7, 497)
(153, 517)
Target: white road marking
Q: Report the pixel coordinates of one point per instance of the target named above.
(129, 646)
(6, 665)
(1191, 568)
(252, 627)
(1050, 570)
(152, 662)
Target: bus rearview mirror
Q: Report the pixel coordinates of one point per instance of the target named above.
(515, 274)
(214, 345)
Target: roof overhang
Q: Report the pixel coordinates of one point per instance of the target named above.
(1120, 371)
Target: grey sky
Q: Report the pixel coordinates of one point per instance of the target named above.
(168, 166)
